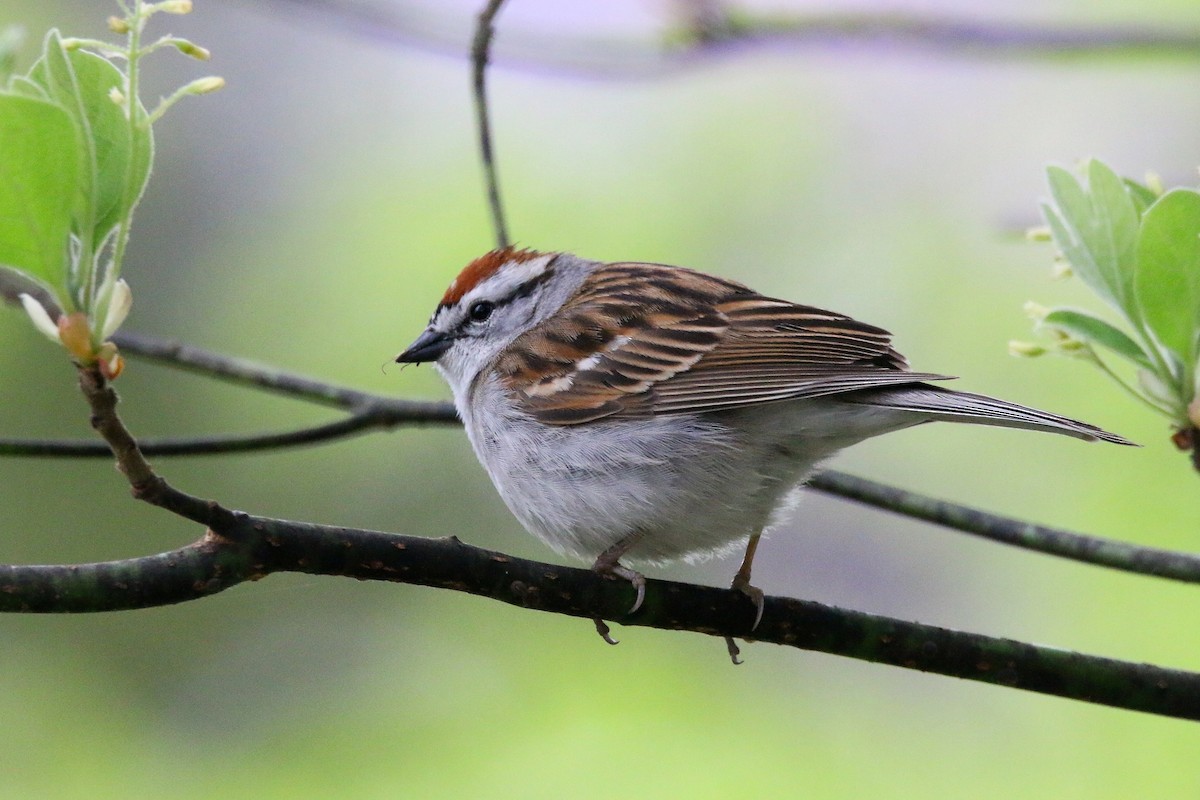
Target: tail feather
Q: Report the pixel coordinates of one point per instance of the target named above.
(952, 406)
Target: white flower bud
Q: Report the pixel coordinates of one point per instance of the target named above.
(40, 318)
(174, 6)
(205, 85)
(118, 308)
(1035, 311)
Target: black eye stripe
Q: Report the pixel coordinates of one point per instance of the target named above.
(524, 290)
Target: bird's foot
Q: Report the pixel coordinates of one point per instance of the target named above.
(611, 566)
(755, 594)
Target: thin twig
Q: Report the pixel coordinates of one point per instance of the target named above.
(687, 46)
(214, 445)
(247, 548)
(387, 411)
(144, 482)
(243, 372)
(1008, 530)
(946, 36)
(480, 49)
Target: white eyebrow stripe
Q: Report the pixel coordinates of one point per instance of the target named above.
(509, 279)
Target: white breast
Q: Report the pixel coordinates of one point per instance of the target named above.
(696, 485)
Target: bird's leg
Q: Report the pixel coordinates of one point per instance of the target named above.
(741, 580)
(609, 563)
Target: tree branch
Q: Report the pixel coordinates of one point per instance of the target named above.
(689, 45)
(358, 422)
(955, 37)
(240, 371)
(240, 547)
(370, 412)
(249, 548)
(144, 483)
(480, 49)
(1008, 530)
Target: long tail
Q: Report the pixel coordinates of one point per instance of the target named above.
(951, 406)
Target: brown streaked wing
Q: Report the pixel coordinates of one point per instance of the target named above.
(643, 339)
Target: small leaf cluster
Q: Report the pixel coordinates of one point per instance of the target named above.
(1138, 249)
(77, 147)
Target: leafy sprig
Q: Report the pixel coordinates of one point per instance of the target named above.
(1137, 248)
(77, 147)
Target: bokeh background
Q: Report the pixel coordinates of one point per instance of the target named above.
(310, 215)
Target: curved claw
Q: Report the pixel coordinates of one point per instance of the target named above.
(755, 594)
(609, 564)
(604, 631)
(734, 650)
(639, 584)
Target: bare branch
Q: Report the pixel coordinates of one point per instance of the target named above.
(240, 371)
(386, 411)
(248, 548)
(213, 445)
(240, 547)
(1008, 530)
(958, 37)
(379, 412)
(480, 49)
(690, 45)
(144, 482)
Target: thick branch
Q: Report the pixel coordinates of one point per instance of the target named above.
(239, 547)
(252, 547)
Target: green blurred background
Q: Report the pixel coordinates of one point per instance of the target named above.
(310, 215)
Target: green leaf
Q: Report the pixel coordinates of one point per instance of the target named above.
(39, 183)
(54, 74)
(1168, 271)
(1096, 229)
(19, 84)
(1095, 331)
(1116, 228)
(120, 157)
(1143, 196)
(115, 155)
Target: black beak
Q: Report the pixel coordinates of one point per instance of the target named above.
(429, 346)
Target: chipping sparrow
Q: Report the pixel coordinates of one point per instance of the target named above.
(660, 413)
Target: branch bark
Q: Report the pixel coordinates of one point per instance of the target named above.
(240, 547)
(249, 548)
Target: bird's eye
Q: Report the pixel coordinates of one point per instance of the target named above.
(481, 310)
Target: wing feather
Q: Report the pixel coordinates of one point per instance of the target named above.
(644, 339)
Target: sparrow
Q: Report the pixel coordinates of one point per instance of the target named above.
(635, 413)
